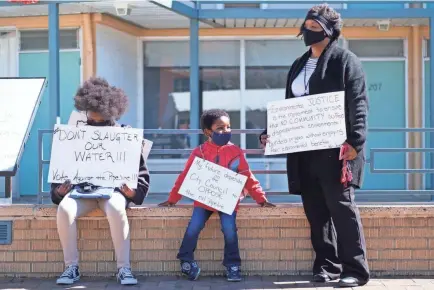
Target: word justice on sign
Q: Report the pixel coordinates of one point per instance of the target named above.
(304, 124)
(103, 156)
(213, 185)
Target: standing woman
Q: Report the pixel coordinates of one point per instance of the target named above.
(336, 229)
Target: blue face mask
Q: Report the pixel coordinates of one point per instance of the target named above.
(221, 139)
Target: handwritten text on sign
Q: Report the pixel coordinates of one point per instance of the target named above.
(307, 123)
(213, 185)
(103, 156)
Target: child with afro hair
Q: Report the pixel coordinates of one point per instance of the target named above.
(104, 105)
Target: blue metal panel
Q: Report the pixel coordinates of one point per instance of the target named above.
(194, 80)
(54, 72)
(431, 94)
(5, 232)
(386, 89)
(236, 13)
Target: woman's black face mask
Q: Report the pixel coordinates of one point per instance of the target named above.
(311, 37)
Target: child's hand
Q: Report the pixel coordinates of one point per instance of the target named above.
(166, 204)
(267, 204)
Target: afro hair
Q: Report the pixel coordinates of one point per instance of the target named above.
(96, 95)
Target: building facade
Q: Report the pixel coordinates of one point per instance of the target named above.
(242, 65)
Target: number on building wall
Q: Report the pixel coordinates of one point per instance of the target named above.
(374, 87)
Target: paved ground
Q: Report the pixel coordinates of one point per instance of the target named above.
(214, 283)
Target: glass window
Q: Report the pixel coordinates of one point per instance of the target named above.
(38, 39)
(167, 87)
(267, 66)
(427, 48)
(377, 47)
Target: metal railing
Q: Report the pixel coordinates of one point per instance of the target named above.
(371, 160)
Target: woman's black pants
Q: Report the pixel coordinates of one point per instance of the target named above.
(336, 228)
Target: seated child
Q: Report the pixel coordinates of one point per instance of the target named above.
(104, 105)
(216, 126)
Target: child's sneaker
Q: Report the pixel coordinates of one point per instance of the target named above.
(191, 270)
(126, 277)
(233, 274)
(69, 276)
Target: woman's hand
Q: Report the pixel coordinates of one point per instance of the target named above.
(264, 140)
(127, 191)
(349, 153)
(166, 204)
(267, 204)
(64, 188)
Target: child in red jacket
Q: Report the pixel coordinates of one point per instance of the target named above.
(216, 126)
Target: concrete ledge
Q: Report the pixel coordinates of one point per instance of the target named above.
(246, 210)
(273, 241)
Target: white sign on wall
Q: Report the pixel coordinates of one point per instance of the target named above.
(306, 123)
(213, 185)
(103, 156)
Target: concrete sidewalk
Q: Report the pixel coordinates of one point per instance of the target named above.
(211, 283)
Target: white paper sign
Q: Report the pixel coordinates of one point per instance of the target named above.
(307, 123)
(19, 99)
(213, 185)
(103, 156)
(80, 119)
(77, 119)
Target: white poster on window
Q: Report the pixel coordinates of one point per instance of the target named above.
(103, 156)
(213, 185)
(307, 123)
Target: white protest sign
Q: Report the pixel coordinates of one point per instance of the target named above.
(19, 100)
(80, 119)
(306, 123)
(213, 185)
(103, 156)
(77, 118)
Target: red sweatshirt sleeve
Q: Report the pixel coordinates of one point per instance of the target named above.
(252, 185)
(174, 195)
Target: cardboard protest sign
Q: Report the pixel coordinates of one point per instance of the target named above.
(103, 156)
(213, 185)
(307, 123)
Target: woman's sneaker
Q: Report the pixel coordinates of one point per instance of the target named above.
(69, 276)
(233, 274)
(191, 270)
(126, 277)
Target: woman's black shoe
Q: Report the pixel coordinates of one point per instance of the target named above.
(321, 278)
(351, 282)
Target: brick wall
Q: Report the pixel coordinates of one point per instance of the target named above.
(272, 241)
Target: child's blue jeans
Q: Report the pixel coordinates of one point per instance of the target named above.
(197, 223)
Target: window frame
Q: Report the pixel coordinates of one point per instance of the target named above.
(404, 48)
(78, 35)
